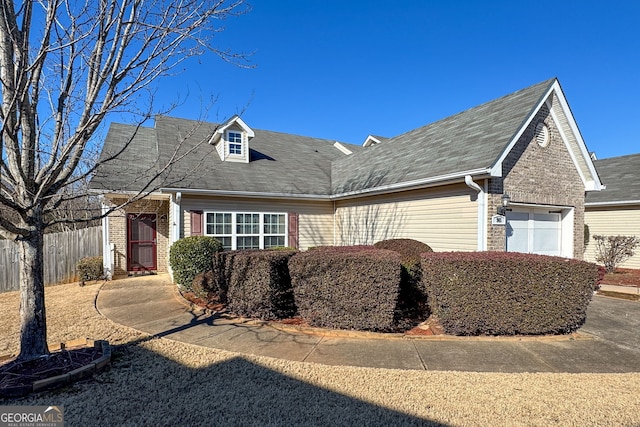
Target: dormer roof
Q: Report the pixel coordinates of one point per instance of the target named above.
(373, 139)
(235, 120)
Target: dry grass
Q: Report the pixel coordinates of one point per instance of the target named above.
(162, 382)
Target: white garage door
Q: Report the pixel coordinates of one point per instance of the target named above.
(534, 231)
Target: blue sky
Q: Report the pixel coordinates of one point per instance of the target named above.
(342, 70)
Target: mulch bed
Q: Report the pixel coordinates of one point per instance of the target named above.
(427, 328)
(623, 277)
(16, 373)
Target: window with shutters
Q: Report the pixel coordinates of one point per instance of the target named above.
(247, 230)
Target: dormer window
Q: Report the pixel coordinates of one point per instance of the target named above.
(231, 140)
(235, 142)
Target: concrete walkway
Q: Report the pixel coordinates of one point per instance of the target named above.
(608, 342)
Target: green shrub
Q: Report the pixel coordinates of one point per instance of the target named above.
(257, 283)
(203, 286)
(347, 287)
(190, 256)
(412, 301)
(90, 268)
(501, 293)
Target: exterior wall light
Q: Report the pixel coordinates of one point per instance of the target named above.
(504, 202)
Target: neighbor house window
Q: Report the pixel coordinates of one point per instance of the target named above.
(240, 230)
(235, 142)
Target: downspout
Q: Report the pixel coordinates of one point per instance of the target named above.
(334, 223)
(175, 226)
(107, 254)
(482, 212)
(176, 217)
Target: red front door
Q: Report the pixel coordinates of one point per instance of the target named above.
(141, 242)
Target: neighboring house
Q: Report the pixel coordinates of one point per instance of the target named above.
(616, 211)
(441, 184)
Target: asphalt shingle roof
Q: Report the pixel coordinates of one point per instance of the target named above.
(471, 140)
(297, 165)
(621, 176)
(280, 163)
(132, 168)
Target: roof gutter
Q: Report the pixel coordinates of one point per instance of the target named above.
(401, 186)
(414, 185)
(247, 194)
(613, 203)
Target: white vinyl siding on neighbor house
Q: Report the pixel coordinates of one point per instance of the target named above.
(613, 221)
(444, 218)
(315, 219)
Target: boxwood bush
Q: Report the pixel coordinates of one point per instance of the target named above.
(412, 301)
(190, 256)
(501, 293)
(257, 283)
(347, 287)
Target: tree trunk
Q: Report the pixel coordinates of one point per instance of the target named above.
(33, 323)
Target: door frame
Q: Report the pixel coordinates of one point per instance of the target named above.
(154, 242)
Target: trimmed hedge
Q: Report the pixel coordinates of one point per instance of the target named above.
(502, 293)
(90, 268)
(412, 301)
(347, 287)
(255, 283)
(409, 250)
(191, 256)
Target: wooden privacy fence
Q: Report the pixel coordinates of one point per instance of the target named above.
(62, 251)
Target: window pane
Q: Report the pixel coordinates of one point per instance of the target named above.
(247, 223)
(226, 242)
(274, 224)
(273, 241)
(223, 223)
(235, 137)
(209, 223)
(248, 242)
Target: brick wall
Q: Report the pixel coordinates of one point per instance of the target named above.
(538, 175)
(118, 231)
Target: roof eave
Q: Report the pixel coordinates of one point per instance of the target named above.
(417, 184)
(612, 203)
(246, 194)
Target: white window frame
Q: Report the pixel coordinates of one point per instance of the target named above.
(232, 140)
(234, 226)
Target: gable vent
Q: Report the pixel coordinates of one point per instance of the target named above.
(542, 134)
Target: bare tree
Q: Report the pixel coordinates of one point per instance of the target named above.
(65, 65)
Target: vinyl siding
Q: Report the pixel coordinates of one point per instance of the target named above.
(613, 222)
(315, 218)
(444, 218)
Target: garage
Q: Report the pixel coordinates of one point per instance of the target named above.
(540, 230)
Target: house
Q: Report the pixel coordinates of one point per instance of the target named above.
(615, 211)
(443, 184)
